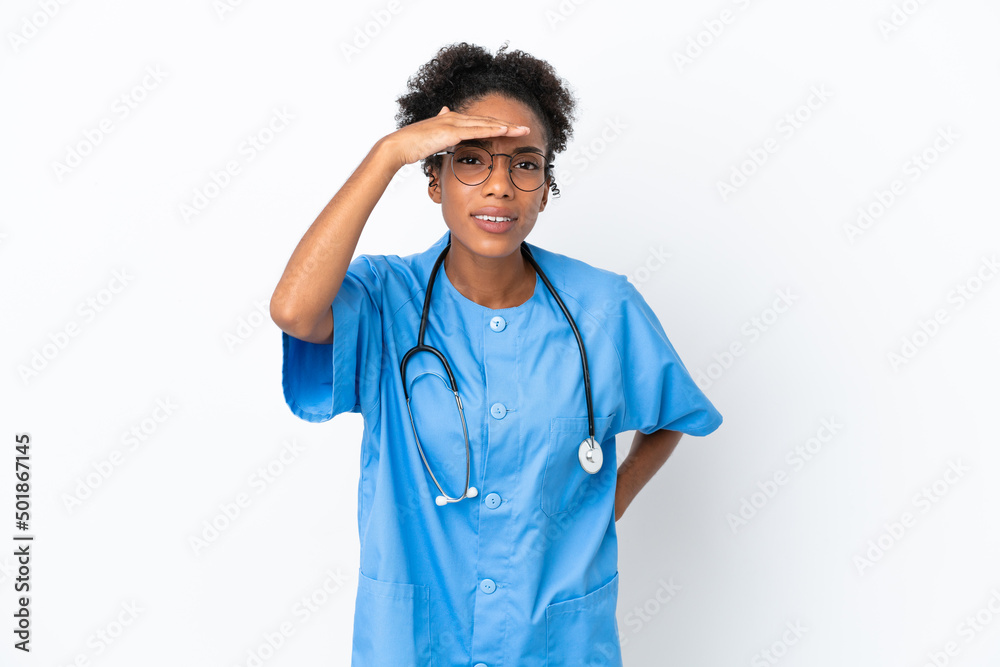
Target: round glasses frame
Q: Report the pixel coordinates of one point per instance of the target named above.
(510, 167)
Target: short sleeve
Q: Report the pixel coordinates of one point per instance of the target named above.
(321, 381)
(659, 392)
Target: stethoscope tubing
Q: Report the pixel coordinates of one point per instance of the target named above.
(421, 347)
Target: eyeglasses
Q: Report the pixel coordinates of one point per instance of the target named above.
(472, 166)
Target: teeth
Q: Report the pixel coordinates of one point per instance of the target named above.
(492, 218)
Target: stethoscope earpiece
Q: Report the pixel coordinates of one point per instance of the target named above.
(441, 501)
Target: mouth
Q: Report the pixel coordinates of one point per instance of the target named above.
(495, 218)
(495, 224)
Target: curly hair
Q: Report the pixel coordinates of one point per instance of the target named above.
(462, 73)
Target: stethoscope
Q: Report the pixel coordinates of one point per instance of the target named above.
(589, 451)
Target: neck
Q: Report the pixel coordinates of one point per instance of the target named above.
(492, 282)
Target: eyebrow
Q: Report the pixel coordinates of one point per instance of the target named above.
(483, 143)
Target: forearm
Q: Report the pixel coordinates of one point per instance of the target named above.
(645, 458)
(301, 301)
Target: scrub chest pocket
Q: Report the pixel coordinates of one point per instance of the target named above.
(565, 483)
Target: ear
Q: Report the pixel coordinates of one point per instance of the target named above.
(434, 186)
(545, 194)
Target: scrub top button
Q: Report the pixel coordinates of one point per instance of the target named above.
(498, 410)
(498, 323)
(479, 664)
(493, 501)
(487, 586)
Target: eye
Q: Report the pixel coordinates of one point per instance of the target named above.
(527, 162)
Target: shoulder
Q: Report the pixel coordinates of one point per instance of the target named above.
(409, 272)
(599, 292)
(384, 271)
(391, 281)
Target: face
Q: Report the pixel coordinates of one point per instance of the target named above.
(459, 201)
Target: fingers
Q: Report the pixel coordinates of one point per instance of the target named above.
(498, 126)
(503, 124)
(514, 130)
(504, 127)
(480, 131)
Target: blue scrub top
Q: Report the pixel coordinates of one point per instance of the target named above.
(526, 573)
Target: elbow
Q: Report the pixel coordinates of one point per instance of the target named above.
(285, 317)
(291, 321)
(279, 312)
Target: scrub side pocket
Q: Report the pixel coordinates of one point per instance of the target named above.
(584, 630)
(565, 482)
(391, 624)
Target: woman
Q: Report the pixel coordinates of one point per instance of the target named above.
(487, 526)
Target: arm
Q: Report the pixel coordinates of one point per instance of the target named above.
(300, 305)
(648, 454)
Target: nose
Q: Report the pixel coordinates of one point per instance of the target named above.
(499, 179)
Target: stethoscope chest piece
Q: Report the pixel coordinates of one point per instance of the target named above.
(591, 456)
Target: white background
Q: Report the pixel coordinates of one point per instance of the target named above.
(660, 136)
